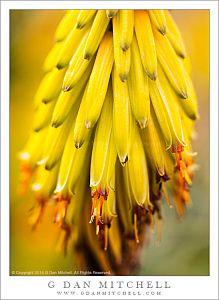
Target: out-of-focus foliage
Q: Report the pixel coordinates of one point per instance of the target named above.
(184, 246)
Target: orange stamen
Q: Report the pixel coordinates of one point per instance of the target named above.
(61, 210)
(97, 209)
(26, 173)
(136, 229)
(165, 192)
(37, 212)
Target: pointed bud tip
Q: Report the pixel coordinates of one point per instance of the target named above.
(66, 88)
(55, 124)
(152, 76)
(45, 101)
(184, 94)
(59, 66)
(58, 39)
(110, 15)
(124, 160)
(123, 77)
(47, 167)
(161, 172)
(87, 56)
(36, 129)
(124, 47)
(163, 30)
(78, 144)
(80, 25)
(143, 123)
(182, 55)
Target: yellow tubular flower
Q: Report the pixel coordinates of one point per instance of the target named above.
(114, 116)
(77, 66)
(84, 17)
(111, 13)
(126, 19)
(138, 88)
(66, 25)
(158, 19)
(146, 43)
(121, 117)
(97, 31)
(122, 58)
(99, 80)
(101, 141)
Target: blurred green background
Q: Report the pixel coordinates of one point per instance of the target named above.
(184, 248)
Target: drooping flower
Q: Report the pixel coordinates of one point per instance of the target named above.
(112, 132)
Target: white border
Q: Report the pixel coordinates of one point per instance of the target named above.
(193, 287)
